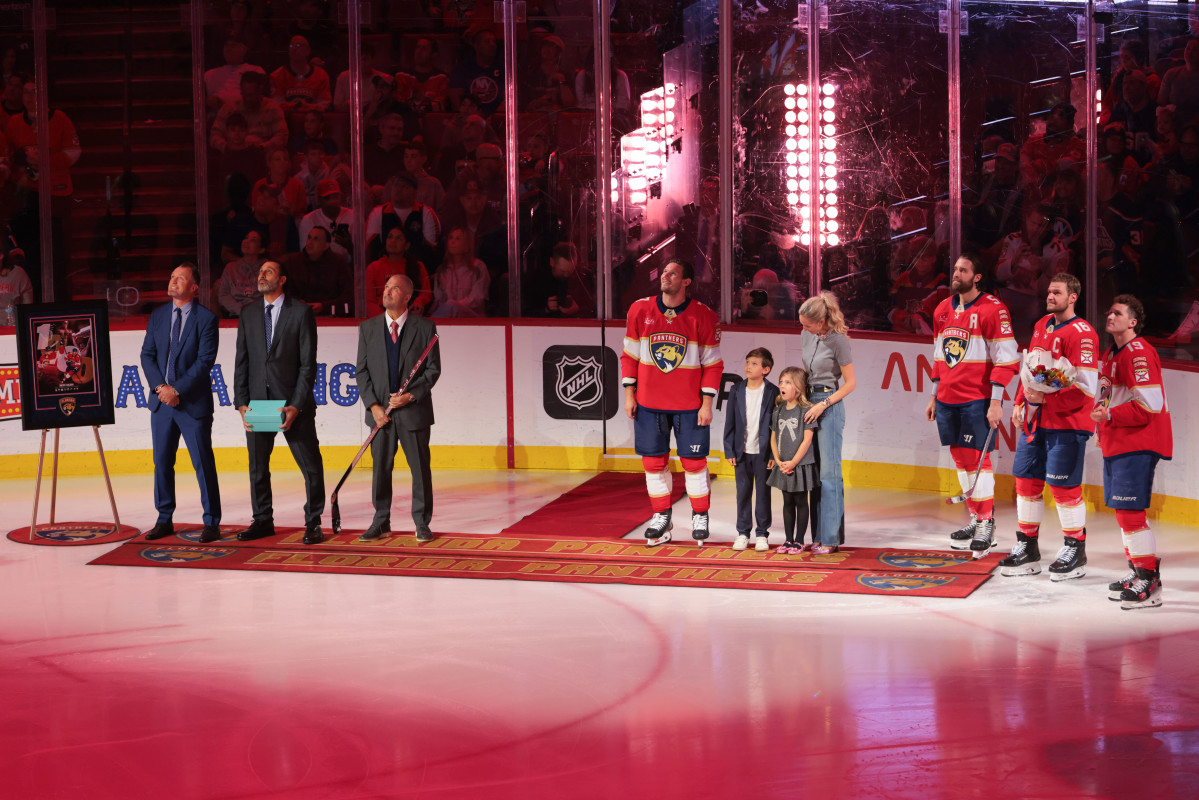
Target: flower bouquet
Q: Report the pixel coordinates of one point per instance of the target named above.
(1041, 372)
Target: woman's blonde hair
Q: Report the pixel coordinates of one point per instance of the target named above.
(800, 379)
(824, 308)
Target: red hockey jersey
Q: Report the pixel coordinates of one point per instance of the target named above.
(672, 355)
(973, 348)
(1068, 409)
(1131, 389)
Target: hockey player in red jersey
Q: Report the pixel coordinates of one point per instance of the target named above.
(671, 370)
(974, 358)
(1134, 434)
(1053, 445)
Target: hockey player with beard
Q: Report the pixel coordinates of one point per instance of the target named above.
(974, 358)
(1054, 442)
(671, 370)
(1134, 434)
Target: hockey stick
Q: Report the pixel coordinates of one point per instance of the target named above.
(361, 450)
(966, 495)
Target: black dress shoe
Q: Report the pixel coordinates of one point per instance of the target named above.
(374, 532)
(257, 530)
(423, 534)
(159, 531)
(313, 534)
(211, 533)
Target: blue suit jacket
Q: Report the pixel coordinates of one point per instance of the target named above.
(734, 420)
(193, 364)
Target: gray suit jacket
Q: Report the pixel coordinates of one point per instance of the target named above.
(373, 373)
(288, 371)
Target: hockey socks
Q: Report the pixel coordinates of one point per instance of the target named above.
(981, 503)
(1030, 506)
(698, 483)
(1139, 542)
(1071, 511)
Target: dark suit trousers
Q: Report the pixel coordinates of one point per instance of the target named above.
(301, 438)
(166, 426)
(750, 471)
(416, 451)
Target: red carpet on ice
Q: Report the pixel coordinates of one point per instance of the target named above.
(618, 496)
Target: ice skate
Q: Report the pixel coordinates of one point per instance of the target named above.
(1145, 591)
(960, 539)
(984, 537)
(699, 526)
(659, 529)
(1071, 561)
(1116, 588)
(1025, 558)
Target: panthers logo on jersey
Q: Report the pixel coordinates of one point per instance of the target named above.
(667, 350)
(954, 342)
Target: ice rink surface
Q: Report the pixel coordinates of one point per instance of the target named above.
(170, 683)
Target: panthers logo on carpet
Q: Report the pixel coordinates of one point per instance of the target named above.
(903, 583)
(917, 561)
(668, 350)
(73, 533)
(192, 534)
(185, 555)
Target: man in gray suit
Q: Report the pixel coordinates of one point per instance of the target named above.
(388, 347)
(276, 360)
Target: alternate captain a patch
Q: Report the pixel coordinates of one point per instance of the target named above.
(667, 350)
(954, 342)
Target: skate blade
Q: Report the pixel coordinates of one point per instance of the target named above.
(1019, 572)
(1133, 605)
(1067, 576)
(655, 542)
(1115, 597)
(699, 542)
(954, 544)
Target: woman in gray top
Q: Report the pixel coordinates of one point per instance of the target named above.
(827, 360)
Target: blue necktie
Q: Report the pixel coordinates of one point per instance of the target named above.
(269, 326)
(173, 351)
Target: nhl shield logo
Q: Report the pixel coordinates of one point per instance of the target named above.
(184, 555)
(67, 405)
(579, 383)
(667, 350)
(917, 561)
(903, 583)
(954, 342)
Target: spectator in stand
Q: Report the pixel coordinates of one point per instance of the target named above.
(314, 129)
(468, 208)
(333, 217)
(293, 197)
(481, 73)
(300, 85)
(321, 277)
(918, 290)
(1134, 57)
(265, 119)
(429, 190)
(996, 212)
(1064, 209)
(238, 285)
(546, 289)
(1138, 114)
(240, 157)
(313, 171)
(278, 230)
(385, 157)
(1027, 260)
(313, 24)
(11, 103)
(768, 298)
(396, 259)
(1166, 142)
(1045, 154)
(15, 287)
(369, 89)
(461, 284)
(30, 173)
(1180, 87)
(622, 92)
(454, 157)
(423, 86)
(489, 168)
(419, 222)
(1115, 156)
(223, 84)
(545, 86)
(241, 25)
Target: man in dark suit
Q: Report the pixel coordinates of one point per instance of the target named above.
(388, 347)
(276, 360)
(177, 358)
(747, 445)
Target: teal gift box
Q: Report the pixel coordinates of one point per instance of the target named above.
(265, 416)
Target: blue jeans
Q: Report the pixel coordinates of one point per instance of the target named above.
(829, 511)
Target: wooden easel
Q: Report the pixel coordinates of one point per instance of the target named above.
(41, 457)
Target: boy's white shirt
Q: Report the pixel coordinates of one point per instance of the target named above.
(753, 417)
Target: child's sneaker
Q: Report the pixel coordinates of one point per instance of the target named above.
(762, 545)
(741, 542)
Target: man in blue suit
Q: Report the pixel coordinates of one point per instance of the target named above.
(177, 358)
(747, 445)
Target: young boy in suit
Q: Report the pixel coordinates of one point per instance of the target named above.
(747, 446)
